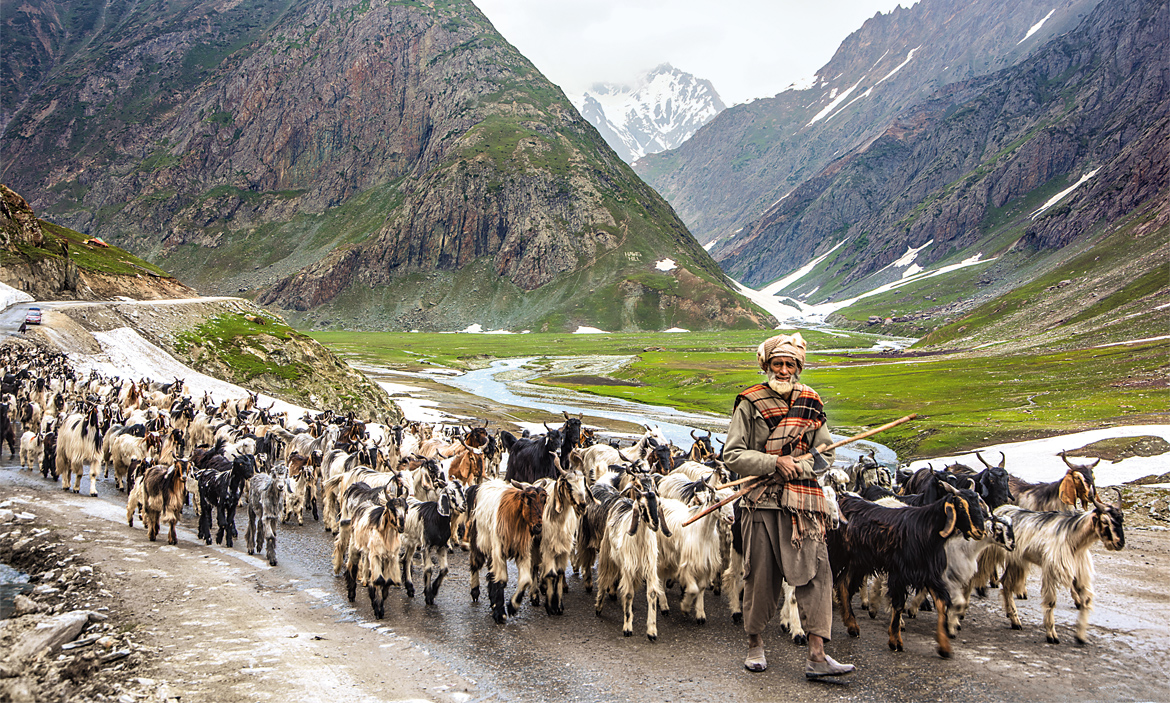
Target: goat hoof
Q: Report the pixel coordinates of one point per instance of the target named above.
(981, 592)
(1021, 596)
(1017, 627)
(854, 631)
(410, 590)
(1053, 640)
(93, 494)
(511, 608)
(272, 562)
(475, 594)
(700, 621)
(652, 638)
(800, 640)
(737, 618)
(597, 612)
(910, 615)
(1081, 640)
(627, 633)
(665, 612)
(872, 614)
(500, 618)
(944, 653)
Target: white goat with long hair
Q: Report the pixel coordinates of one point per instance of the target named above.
(79, 442)
(1058, 542)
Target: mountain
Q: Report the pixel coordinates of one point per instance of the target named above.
(751, 156)
(1048, 179)
(660, 112)
(373, 163)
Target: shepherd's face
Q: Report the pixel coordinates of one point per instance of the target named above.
(784, 368)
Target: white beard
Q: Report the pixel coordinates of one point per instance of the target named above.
(780, 387)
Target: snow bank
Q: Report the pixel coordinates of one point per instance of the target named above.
(127, 354)
(589, 330)
(475, 328)
(10, 296)
(1060, 196)
(676, 329)
(666, 265)
(1039, 460)
(1134, 341)
(1036, 27)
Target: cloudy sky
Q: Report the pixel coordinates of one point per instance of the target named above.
(747, 48)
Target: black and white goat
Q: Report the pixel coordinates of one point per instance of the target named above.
(428, 530)
(628, 557)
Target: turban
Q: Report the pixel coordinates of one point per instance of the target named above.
(792, 346)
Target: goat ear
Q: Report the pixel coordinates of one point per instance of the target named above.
(952, 517)
(1068, 488)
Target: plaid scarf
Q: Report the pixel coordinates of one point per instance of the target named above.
(791, 420)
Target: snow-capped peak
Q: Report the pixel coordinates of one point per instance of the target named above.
(661, 111)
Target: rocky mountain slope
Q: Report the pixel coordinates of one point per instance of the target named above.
(752, 155)
(51, 262)
(661, 111)
(376, 162)
(1054, 172)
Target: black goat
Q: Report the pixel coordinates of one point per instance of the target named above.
(993, 483)
(908, 545)
(571, 436)
(532, 459)
(220, 486)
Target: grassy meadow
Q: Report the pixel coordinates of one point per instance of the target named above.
(963, 401)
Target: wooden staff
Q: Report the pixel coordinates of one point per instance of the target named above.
(751, 480)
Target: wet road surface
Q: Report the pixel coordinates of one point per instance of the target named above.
(581, 657)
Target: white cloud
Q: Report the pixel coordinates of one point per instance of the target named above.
(746, 48)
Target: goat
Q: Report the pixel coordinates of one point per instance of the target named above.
(628, 557)
(266, 495)
(362, 486)
(467, 466)
(372, 558)
(567, 502)
(303, 493)
(503, 520)
(1063, 494)
(591, 530)
(530, 460)
(32, 450)
(163, 488)
(79, 442)
(905, 543)
(690, 555)
(220, 487)
(1058, 542)
(428, 528)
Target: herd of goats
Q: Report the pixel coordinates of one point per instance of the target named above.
(545, 502)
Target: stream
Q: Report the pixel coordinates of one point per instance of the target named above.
(507, 382)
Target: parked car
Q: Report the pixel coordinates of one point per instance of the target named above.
(33, 316)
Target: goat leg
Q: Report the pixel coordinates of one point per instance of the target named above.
(847, 616)
(895, 629)
(944, 640)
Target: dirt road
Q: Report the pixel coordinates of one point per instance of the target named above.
(222, 626)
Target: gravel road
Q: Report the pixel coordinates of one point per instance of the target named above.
(227, 627)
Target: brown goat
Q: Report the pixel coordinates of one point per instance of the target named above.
(163, 489)
(503, 520)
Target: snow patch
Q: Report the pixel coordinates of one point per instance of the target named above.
(833, 105)
(666, 265)
(10, 296)
(1039, 460)
(1059, 196)
(803, 83)
(914, 269)
(1134, 341)
(676, 329)
(589, 330)
(708, 245)
(1036, 27)
(899, 67)
(475, 328)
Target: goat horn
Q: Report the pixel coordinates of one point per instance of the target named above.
(693, 436)
(1120, 497)
(979, 456)
(566, 414)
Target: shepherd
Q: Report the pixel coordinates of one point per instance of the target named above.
(785, 516)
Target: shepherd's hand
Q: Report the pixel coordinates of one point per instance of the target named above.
(787, 468)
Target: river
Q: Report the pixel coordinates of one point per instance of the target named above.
(507, 382)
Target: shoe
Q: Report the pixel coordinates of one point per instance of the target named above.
(829, 667)
(755, 659)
